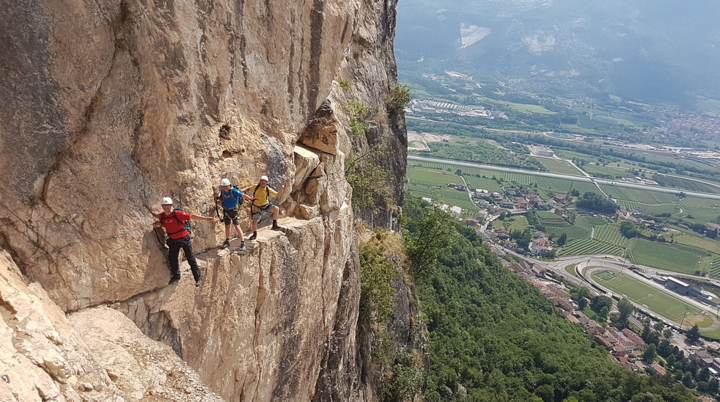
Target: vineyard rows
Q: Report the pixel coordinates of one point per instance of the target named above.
(556, 221)
(583, 187)
(610, 234)
(699, 202)
(641, 196)
(650, 209)
(572, 232)
(715, 267)
(485, 184)
(589, 247)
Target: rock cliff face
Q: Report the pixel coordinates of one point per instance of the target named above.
(109, 105)
(97, 355)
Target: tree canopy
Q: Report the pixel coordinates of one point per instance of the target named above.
(497, 336)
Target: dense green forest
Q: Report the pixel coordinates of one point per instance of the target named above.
(494, 337)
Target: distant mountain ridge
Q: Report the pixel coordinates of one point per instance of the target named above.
(659, 51)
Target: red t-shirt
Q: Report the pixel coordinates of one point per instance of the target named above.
(174, 228)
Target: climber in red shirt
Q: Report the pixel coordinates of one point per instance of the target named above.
(179, 237)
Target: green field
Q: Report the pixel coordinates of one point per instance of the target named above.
(672, 257)
(433, 185)
(518, 222)
(701, 209)
(558, 166)
(641, 196)
(550, 219)
(431, 178)
(695, 240)
(664, 304)
(572, 232)
(652, 209)
(611, 169)
(610, 234)
(589, 247)
(481, 183)
(590, 221)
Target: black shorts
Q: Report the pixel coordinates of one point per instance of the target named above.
(230, 216)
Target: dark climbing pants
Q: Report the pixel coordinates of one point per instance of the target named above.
(175, 245)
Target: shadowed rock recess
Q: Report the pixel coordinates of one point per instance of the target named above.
(107, 106)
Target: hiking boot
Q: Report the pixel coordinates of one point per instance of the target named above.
(276, 227)
(242, 246)
(253, 237)
(173, 279)
(198, 283)
(226, 244)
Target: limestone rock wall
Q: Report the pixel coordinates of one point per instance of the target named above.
(260, 326)
(107, 106)
(96, 355)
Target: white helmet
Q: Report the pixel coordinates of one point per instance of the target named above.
(264, 178)
(225, 182)
(167, 201)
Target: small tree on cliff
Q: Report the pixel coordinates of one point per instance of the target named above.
(364, 167)
(398, 98)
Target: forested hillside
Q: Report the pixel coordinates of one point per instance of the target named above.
(494, 337)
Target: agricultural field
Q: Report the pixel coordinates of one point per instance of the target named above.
(671, 257)
(714, 268)
(610, 234)
(641, 196)
(688, 253)
(662, 303)
(610, 169)
(687, 184)
(702, 210)
(572, 232)
(592, 220)
(431, 184)
(481, 183)
(589, 247)
(652, 209)
(550, 219)
(451, 197)
(430, 178)
(516, 222)
(584, 187)
(695, 240)
(558, 166)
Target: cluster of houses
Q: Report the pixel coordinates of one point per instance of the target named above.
(512, 198)
(540, 246)
(622, 214)
(458, 187)
(706, 360)
(620, 343)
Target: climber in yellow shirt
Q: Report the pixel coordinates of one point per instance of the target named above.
(261, 193)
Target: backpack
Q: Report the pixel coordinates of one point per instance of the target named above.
(187, 222)
(232, 193)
